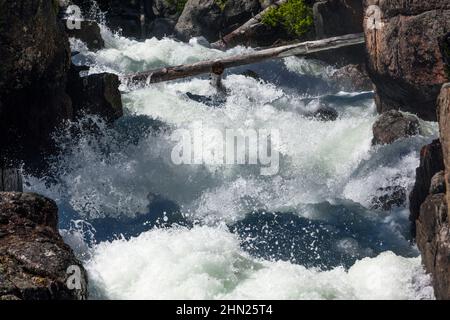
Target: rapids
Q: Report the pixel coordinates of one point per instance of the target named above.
(149, 229)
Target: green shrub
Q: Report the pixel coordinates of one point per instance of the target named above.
(221, 4)
(178, 4)
(294, 16)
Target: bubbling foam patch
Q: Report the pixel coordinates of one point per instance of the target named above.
(208, 263)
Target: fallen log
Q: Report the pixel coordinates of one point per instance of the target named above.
(203, 67)
(235, 37)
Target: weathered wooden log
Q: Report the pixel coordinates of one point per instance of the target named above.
(189, 70)
(237, 36)
(11, 180)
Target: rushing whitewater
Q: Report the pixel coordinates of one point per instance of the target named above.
(149, 229)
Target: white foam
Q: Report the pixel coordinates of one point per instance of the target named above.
(320, 161)
(207, 263)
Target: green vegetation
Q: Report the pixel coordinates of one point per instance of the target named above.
(221, 4)
(178, 4)
(294, 16)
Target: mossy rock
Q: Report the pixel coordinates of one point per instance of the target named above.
(221, 3)
(178, 4)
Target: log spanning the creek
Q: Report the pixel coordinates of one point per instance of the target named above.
(210, 66)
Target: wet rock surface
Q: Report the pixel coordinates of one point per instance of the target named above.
(35, 58)
(96, 94)
(431, 162)
(429, 203)
(212, 20)
(393, 125)
(89, 33)
(404, 58)
(34, 260)
(36, 96)
(393, 197)
(352, 78)
(433, 240)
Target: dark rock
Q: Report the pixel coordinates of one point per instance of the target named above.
(167, 8)
(251, 74)
(404, 59)
(35, 58)
(124, 15)
(431, 162)
(440, 266)
(444, 128)
(438, 183)
(215, 101)
(433, 240)
(10, 180)
(161, 27)
(89, 33)
(335, 18)
(338, 17)
(96, 94)
(444, 46)
(33, 257)
(394, 125)
(352, 78)
(325, 113)
(209, 19)
(394, 196)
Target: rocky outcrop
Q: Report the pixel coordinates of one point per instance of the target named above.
(433, 240)
(431, 162)
(213, 19)
(335, 18)
(35, 58)
(444, 127)
(429, 203)
(393, 125)
(441, 271)
(404, 59)
(392, 197)
(128, 16)
(89, 33)
(10, 180)
(34, 82)
(35, 263)
(352, 78)
(338, 17)
(96, 94)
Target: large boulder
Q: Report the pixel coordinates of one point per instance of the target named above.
(352, 77)
(393, 125)
(89, 33)
(35, 263)
(338, 17)
(96, 94)
(213, 19)
(34, 81)
(431, 162)
(335, 18)
(433, 240)
(430, 206)
(35, 58)
(125, 15)
(404, 60)
(444, 125)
